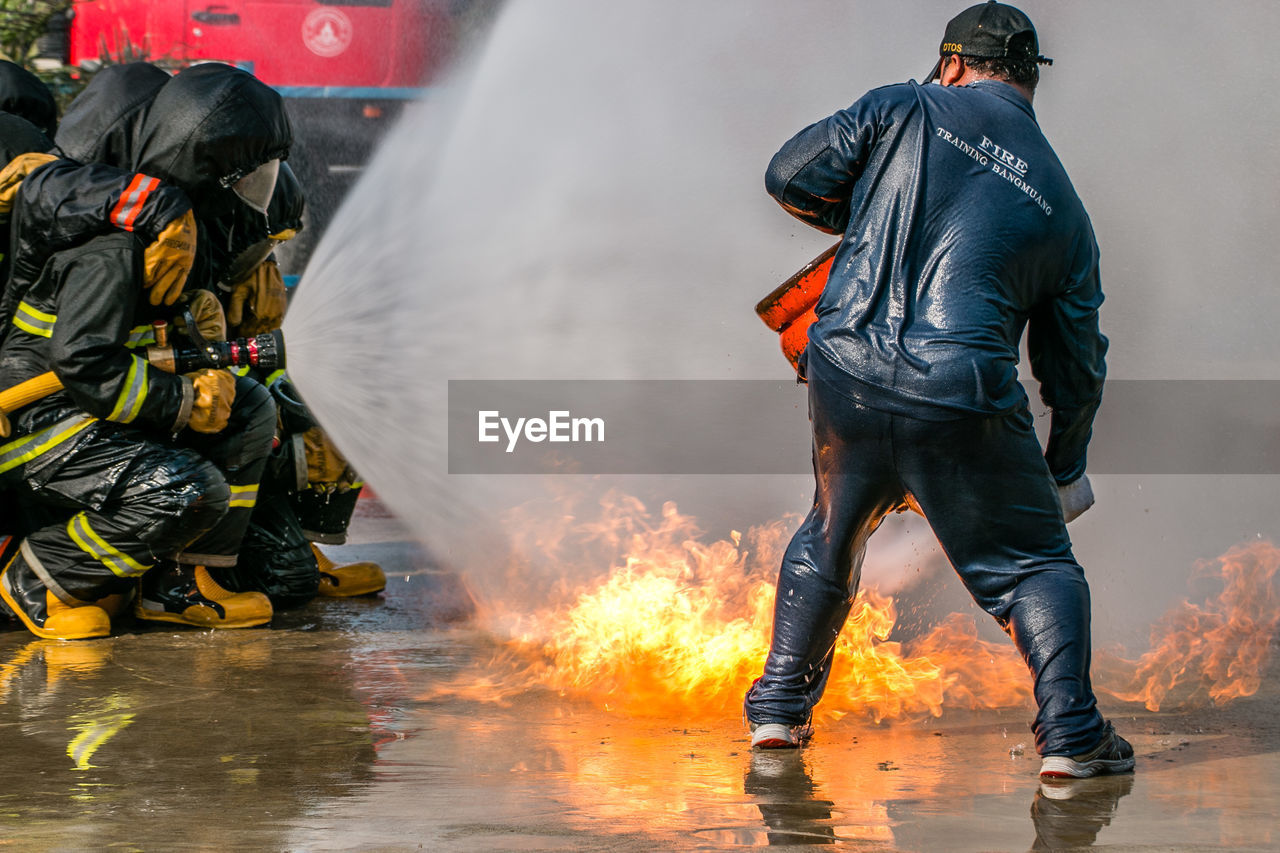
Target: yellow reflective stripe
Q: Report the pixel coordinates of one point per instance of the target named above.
(241, 371)
(141, 336)
(358, 484)
(244, 496)
(132, 394)
(141, 397)
(35, 330)
(119, 563)
(25, 449)
(34, 321)
(273, 378)
(36, 314)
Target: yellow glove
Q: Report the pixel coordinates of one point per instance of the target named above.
(211, 323)
(168, 261)
(215, 392)
(4, 426)
(326, 467)
(263, 294)
(12, 176)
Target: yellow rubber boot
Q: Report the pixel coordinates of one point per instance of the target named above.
(81, 622)
(188, 595)
(46, 615)
(352, 579)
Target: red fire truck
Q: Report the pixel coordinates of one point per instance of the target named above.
(345, 67)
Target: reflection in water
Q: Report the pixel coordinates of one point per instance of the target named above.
(310, 739)
(224, 737)
(780, 784)
(98, 723)
(1071, 813)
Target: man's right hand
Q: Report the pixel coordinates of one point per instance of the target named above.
(1075, 497)
(215, 391)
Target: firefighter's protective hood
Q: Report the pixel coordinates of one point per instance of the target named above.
(19, 136)
(209, 127)
(23, 94)
(103, 122)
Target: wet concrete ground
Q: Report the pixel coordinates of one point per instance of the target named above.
(313, 735)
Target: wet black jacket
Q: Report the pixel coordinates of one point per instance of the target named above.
(103, 123)
(24, 94)
(74, 303)
(86, 307)
(68, 203)
(78, 320)
(64, 203)
(961, 228)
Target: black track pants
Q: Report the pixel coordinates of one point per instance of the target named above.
(984, 487)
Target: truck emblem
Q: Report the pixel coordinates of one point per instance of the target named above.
(326, 31)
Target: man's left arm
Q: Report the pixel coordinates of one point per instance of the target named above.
(1068, 353)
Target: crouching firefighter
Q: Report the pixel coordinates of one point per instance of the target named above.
(83, 198)
(138, 473)
(309, 492)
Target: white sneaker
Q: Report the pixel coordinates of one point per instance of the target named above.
(1113, 754)
(779, 735)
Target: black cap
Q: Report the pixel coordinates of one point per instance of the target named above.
(990, 30)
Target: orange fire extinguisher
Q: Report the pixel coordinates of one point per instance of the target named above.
(789, 310)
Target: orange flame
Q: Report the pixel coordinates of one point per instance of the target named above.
(1218, 649)
(681, 627)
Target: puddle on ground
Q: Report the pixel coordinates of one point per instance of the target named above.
(314, 736)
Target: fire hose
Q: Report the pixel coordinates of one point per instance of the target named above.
(265, 351)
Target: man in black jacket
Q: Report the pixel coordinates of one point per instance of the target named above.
(960, 229)
(141, 502)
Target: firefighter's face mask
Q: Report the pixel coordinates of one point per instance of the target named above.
(255, 188)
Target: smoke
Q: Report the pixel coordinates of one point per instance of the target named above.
(583, 199)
